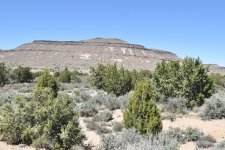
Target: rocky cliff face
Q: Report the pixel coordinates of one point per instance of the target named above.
(84, 54)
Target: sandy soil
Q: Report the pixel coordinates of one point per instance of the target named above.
(215, 128)
(91, 137)
(4, 146)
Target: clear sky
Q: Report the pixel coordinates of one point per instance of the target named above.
(185, 27)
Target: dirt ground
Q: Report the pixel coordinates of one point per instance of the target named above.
(4, 146)
(215, 128)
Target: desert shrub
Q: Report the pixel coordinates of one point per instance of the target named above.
(218, 79)
(22, 74)
(75, 77)
(117, 126)
(103, 116)
(176, 133)
(193, 134)
(47, 122)
(48, 81)
(85, 96)
(206, 142)
(208, 138)
(182, 136)
(88, 146)
(123, 100)
(92, 125)
(76, 99)
(131, 139)
(214, 107)
(103, 130)
(3, 74)
(142, 113)
(65, 76)
(176, 105)
(108, 100)
(97, 128)
(170, 117)
(88, 108)
(67, 86)
(219, 146)
(26, 88)
(7, 97)
(36, 74)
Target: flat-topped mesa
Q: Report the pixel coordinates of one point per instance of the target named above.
(85, 54)
(92, 42)
(113, 42)
(95, 40)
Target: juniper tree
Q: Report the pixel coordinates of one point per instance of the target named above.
(22, 74)
(65, 76)
(142, 112)
(197, 85)
(48, 81)
(3, 74)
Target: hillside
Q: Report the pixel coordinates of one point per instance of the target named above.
(83, 54)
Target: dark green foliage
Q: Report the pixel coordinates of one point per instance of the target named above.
(22, 74)
(114, 80)
(65, 76)
(48, 81)
(142, 113)
(37, 74)
(168, 79)
(189, 80)
(56, 74)
(3, 74)
(74, 76)
(98, 75)
(43, 121)
(197, 85)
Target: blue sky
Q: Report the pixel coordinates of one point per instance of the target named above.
(185, 27)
